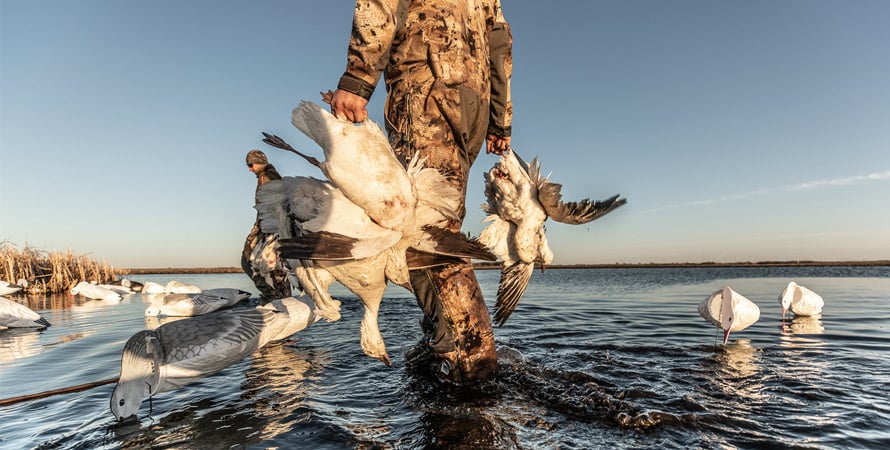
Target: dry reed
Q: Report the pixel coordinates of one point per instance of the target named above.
(52, 272)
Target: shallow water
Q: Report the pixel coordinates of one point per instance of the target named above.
(591, 358)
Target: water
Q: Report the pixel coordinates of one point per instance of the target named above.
(591, 358)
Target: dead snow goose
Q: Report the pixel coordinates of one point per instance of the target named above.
(519, 202)
(326, 237)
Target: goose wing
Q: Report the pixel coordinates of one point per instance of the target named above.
(314, 220)
(514, 280)
(574, 213)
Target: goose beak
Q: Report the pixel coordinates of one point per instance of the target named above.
(725, 336)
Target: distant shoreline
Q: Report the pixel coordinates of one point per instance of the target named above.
(493, 266)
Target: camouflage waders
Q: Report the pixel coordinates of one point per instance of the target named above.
(447, 66)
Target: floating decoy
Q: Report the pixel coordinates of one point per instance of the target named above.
(150, 287)
(729, 310)
(800, 301)
(16, 315)
(177, 353)
(185, 305)
(94, 291)
(7, 288)
(519, 202)
(178, 287)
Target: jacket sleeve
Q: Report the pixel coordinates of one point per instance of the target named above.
(500, 42)
(373, 27)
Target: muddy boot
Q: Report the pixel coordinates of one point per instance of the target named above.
(461, 337)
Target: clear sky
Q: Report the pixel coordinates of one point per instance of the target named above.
(738, 130)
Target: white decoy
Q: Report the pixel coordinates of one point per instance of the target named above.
(800, 300)
(133, 286)
(93, 291)
(7, 288)
(122, 290)
(186, 305)
(519, 202)
(729, 310)
(16, 315)
(150, 287)
(177, 353)
(178, 287)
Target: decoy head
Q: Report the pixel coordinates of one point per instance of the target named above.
(788, 296)
(140, 374)
(726, 313)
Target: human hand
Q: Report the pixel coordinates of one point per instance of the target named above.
(348, 106)
(497, 144)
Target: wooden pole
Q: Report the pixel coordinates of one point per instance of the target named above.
(67, 390)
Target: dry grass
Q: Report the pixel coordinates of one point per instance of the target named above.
(53, 272)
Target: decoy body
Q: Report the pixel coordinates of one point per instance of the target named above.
(177, 353)
(94, 291)
(519, 202)
(729, 310)
(185, 305)
(16, 315)
(800, 301)
(7, 288)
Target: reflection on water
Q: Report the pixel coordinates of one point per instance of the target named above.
(800, 325)
(153, 322)
(611, 358)
(736, 373)
(17, 343)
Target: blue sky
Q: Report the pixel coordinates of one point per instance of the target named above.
(738, 130)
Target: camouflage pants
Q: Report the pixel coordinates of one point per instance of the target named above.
(446, 126)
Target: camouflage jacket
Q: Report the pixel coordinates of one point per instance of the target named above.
(453, 43)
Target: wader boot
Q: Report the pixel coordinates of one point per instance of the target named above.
(457, 327)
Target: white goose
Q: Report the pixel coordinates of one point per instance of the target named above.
(326, 237)
(7, 288)
(358, 228)
(519, 202)
(177, 353)
(800, 300)
(16, 315)
(186, 305)
(94, 291)
(729, 310)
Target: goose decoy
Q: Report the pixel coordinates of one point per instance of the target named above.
(94, 291)
(729, 310)
(16, 315)
(7, 288)
(519, 202)
(177, 353)
(186, 305)
(800, 301)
